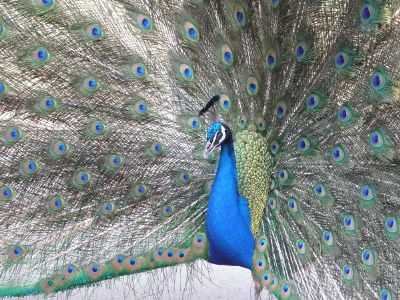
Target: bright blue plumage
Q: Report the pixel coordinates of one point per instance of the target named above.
(228, 216)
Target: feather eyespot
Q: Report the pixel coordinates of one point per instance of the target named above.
(320, 190)
(55, 203)
(29, 168)
(303, 145)
(368, 258)
(138, 70)
(6, 193)
(271, 59)
(349, 223)
(90, 84)
(292, 205)
(45, 3)
(186, 72)
(16, 252)
(167, 210)
(227, 55)
(113, 162)
(240, 15)
(367, 13)
(280, 109)
(94, 32)
(59, 149)
(12, 135)
(3, 89)
(252, 86)
(225, 102)
(285, 290)
(192, 32)
(40, 56)
(145, 23)
(347, 272)
(345, 115)
(81, 178)
(46, 105)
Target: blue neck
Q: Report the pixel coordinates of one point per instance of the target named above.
(228, 228)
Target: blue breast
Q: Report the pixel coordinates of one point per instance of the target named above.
(228, 216)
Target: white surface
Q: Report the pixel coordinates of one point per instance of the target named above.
(214, 282)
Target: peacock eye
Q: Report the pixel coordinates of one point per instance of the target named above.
(344, 115)
(12, 135)
(347, 272)
(338, 154)
(44, 3)
(3, 89)
(186, 72)
(313, 101)
(327, 238)
(167, 210)
(46, 104)
(59, 149)
(90, 84)
(240, 15)
(156, 148)
(93, 32)
(320, 190)
(385, 295)
(283, 175)
(285, 290)
(272, 202)
(242, 121)
(96, 128)
(194, 123)
(191, 31)
(367, 12)
(140, 190)
(55, 203)
(145, 23)
(16, 252)
(274, 148)
(40, 56)
(113, 162)
(368, 258)
(274, 3)
(376, 139)
(261, 124)
(303, 145)
(138, 70)
(378, 81)
(6, 193)
(292, 205)
(107, 209)
(391, 224)
(226, 55)
(300, 50)
(342, 59)
(29, 167)
(271, 59)
(252, 86)
(225, 102)
(280, 109)
(81, 178)
(184, 177)
(349, 223)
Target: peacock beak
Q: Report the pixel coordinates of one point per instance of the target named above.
(210, 146)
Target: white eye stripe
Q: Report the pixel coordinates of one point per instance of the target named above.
(215, 137)
(223, 130)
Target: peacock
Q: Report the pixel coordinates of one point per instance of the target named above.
(144, 134)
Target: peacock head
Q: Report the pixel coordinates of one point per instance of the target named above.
(217, 134)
